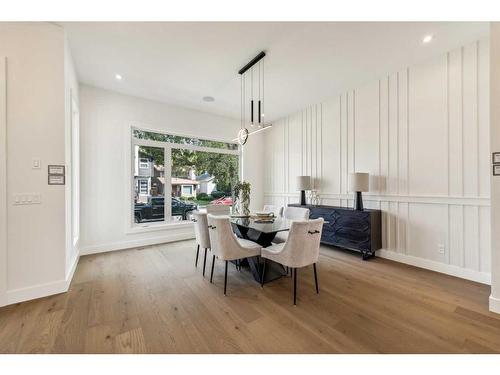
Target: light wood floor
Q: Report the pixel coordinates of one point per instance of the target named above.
(153, 300)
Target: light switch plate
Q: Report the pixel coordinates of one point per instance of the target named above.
(36, 163)
(27, 198)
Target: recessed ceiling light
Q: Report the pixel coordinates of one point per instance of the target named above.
(118, 77)
(208, 99)
(427, 38)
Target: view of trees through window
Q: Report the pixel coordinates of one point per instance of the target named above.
(222, 167)
(143, 134)
(197, 177)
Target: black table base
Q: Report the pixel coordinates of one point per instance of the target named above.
(273, 270)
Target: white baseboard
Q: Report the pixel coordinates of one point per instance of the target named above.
(95, 249)
(464, 273)
(37, 291)
(42, 290)
(495, 304)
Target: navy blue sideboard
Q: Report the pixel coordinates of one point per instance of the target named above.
(348, 228)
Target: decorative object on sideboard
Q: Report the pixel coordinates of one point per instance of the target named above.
(303, 184)
(256, 101)
(358, 183)
(314, 198)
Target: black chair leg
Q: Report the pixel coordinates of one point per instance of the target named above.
(204, 262)
(197, 253)
(212, 272)
(294, 272)
(262, 276)
(316, 278)
(225, 278)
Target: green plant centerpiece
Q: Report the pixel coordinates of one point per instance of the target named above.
(241, 201)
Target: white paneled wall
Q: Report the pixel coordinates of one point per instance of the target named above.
(423, 135)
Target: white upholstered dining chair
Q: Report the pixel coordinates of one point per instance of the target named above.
(300, 250)
(291, 213)
(226, 246)
(276, 210)
(202, 236)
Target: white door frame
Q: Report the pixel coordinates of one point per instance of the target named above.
(75, 173)
(3, 181)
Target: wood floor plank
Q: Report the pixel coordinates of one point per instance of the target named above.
(41, 336)
(153, 300)
(130, 342)
(73, 327)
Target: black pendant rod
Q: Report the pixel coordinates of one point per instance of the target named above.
(254, 61)
(260, 113)
(251, 109)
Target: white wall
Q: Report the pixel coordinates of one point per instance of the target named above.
(35, 125)
(253, 169)
(495, 180)
(423, 135)
(106, 118)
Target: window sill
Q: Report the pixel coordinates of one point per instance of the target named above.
(158, 227)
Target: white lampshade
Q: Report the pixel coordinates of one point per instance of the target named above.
(304, 183)
(359, 182)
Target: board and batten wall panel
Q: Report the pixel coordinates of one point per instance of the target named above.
(423, 135)
(428, 129)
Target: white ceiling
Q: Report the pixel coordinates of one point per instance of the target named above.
(179, 62)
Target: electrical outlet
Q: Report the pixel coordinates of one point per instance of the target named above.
(441, 249)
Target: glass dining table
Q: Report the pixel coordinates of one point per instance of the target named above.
(262, 233)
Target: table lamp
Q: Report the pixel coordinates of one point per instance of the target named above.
(358, 182)
(303, 184)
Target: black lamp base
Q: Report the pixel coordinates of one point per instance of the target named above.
(303, 197)
(358, 201)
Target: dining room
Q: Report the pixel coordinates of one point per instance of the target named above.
(249, 187)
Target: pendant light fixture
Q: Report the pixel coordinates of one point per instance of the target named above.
(255, 104)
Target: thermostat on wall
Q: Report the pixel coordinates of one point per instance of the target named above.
(496, 170)
(56, 175)
(55, 179)
(56, 169)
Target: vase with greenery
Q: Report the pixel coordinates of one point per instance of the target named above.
(241, 199)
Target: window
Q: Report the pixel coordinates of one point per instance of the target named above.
(149, 189)
(143, 187)
(189, 172)
(187, 190)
